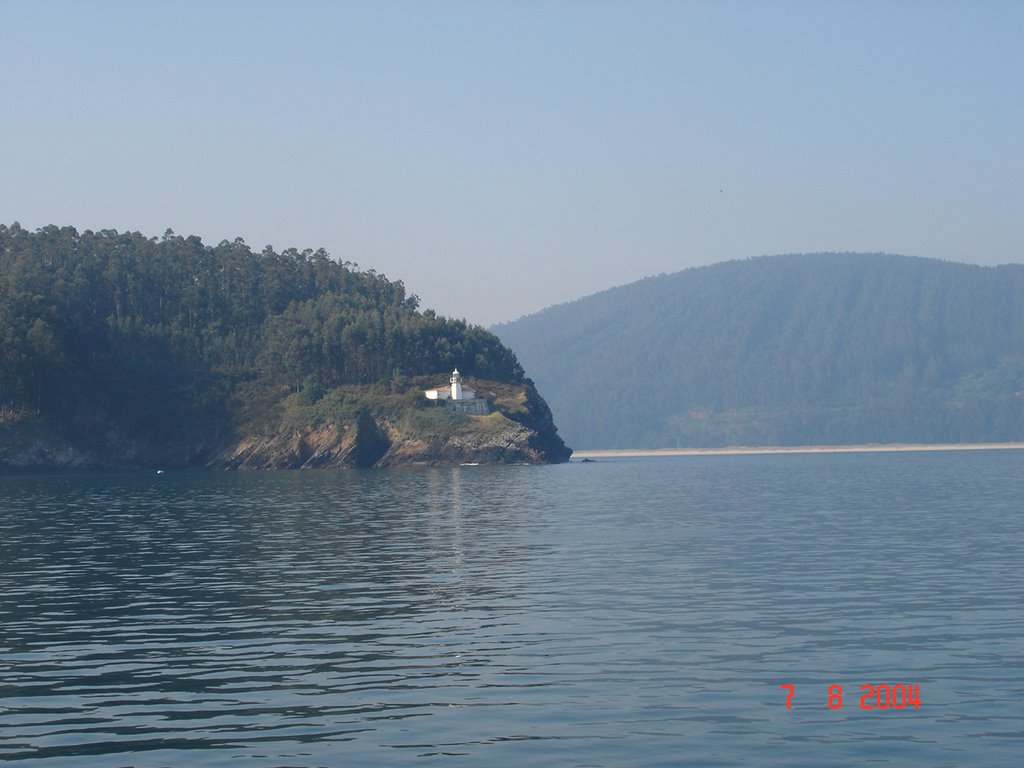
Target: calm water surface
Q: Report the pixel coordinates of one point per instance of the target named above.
(637, 612)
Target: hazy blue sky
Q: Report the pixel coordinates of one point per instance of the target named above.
(500, 157)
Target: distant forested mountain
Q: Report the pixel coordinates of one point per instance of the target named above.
(125, 345)
(787, 350)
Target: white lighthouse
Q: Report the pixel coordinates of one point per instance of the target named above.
(459, 398)
(454, 392)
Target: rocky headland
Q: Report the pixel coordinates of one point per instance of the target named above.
(344, 428)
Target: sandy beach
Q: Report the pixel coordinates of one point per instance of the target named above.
(742, 450)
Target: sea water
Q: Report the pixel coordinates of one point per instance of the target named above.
(704, 611)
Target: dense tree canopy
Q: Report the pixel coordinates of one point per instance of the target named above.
(161, 331)
(818, 348)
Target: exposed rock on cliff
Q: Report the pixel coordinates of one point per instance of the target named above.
(509, 443)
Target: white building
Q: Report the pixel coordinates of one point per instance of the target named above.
(455, 391)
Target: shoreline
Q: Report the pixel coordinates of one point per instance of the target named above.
(743, 450)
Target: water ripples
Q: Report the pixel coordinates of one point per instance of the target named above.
(618, 613)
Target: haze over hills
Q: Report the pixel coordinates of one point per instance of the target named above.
(828, 348)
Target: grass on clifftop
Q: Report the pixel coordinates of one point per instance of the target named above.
(262, 410)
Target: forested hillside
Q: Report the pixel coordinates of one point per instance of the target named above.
(787, 350)
(116, 338)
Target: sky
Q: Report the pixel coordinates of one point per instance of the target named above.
(501, 157)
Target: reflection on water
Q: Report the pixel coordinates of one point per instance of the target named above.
(625, 612)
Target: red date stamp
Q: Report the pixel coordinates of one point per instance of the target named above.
(895, 696)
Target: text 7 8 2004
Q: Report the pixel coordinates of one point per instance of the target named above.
(872, 696)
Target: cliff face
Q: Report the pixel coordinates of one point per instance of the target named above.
(345, 428)
(385, 446)
(519, 430)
